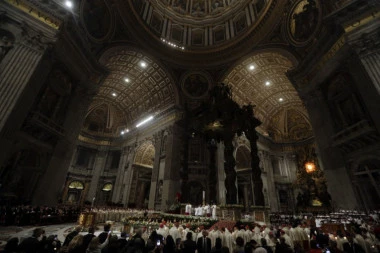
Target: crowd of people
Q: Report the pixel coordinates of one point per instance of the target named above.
(25, 215)
(302, 236)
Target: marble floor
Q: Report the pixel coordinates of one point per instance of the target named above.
(61, 230)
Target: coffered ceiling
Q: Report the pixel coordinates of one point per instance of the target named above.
(136, 86)
(261, 80)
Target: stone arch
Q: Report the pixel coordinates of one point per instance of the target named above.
(134, 53)
(243, 157)
(142, 174)
(260, 78)
(145, 154)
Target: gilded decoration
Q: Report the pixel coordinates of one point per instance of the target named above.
(250, 86)
(303, 21)
(38, 12)
(196, 84)
(145, 155)
(147, 90)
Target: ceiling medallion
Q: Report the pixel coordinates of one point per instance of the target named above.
(303, 21)
(97, 19)
(196, 84)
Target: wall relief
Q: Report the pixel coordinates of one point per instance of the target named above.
(303, 21)
(196, 84)
(97, 18)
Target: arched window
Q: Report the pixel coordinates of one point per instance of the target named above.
(76, 185)
(107, 187)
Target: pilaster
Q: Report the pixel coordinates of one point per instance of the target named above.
(221, 174)
(117, 190)
(158, 137)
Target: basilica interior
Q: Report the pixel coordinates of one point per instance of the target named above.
(147, 103)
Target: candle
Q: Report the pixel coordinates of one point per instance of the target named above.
(203, 194)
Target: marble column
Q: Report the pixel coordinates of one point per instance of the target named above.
(16, 70)
(371, 62)
(221, 174)
(339, 183)
(246, 197)
(52, 182)
(128, 176)
(118, 187)
(171, 176)
(156, 169)
(99, 165)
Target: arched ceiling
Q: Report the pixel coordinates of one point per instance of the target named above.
(134, 89)
(261, 80)
(195, 24)
(145, 155)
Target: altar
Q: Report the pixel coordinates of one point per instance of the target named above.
(87, 219)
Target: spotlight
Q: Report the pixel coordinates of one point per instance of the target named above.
(251, 67)
(69, 4)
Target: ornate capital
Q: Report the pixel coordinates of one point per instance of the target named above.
(35, 39)
(367, 43)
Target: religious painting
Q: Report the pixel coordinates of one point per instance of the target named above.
(195, 85)
(97, 18)
(304, 20)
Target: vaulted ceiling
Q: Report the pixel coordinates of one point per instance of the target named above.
(261, 80)
(171, 34)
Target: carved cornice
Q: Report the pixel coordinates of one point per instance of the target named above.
(46, 12)
(35, 39)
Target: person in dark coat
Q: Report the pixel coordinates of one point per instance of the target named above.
(71, 235)
(104, 235)
(189, 246)
(87, 238)
(204, 243)
(282, 247)
(351, 246)
(11, 246)
(33, 244)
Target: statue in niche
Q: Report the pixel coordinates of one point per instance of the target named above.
(305, 21)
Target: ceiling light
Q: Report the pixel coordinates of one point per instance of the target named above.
(143, 64)
(114, 94)
(280, 99)
(267, 83)
(251, 67)
(127, 80)
(144, 121)
(69, 4)
(122, 132)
